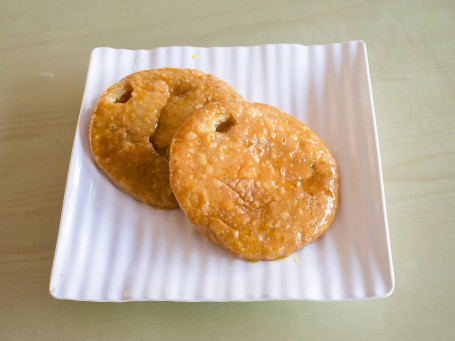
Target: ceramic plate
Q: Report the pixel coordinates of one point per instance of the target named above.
(113, 248)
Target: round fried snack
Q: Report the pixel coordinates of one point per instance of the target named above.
(134, 122)
(253, 179)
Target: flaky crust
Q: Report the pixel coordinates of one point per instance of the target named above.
(253, 180)
(134, 122)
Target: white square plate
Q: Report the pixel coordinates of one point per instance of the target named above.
(113, 248)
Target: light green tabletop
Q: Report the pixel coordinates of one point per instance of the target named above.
(45, 48)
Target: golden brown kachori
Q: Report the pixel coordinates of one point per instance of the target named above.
(253, 179)
(134, 122)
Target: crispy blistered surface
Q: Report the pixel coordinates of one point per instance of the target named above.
(134, 122)
(253, 179)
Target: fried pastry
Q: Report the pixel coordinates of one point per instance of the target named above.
(134, 122)
(253, 179)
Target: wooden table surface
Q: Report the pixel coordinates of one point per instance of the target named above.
(45, 48)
